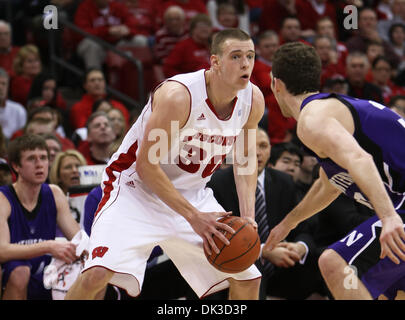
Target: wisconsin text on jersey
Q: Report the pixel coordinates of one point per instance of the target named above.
(191, 146)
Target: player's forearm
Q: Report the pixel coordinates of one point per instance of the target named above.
(246, 187)
(157, 181)
(365, 175)
(13, 251)
(318, 197)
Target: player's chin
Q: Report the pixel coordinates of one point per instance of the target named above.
(39, 179)
(242, 83)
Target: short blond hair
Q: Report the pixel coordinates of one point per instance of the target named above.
(54, 173)
(22, 56)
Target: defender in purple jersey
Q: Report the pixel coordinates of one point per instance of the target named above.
(30, 210)
(360, 147)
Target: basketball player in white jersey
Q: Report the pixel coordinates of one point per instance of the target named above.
(154, 195)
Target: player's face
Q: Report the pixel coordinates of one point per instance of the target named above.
(236, 62)
(33, 166)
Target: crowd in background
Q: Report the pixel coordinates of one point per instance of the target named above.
(173, 36)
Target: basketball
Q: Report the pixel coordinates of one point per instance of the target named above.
(243, 250)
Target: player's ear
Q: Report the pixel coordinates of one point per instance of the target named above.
(277, 84)
(15, 167)
(214, 59)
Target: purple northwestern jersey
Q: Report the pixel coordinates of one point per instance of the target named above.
(32, 227)
(381, 133)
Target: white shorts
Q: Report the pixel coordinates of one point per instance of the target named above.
(132, 222)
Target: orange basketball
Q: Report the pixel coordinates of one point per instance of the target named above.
(244, 248)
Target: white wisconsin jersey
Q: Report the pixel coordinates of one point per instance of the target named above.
(198, 148)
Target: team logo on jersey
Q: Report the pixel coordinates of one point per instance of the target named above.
(99, 252)
(201, 117)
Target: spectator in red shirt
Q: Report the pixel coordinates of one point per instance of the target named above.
(45, 120)
(274, 12)
(310, 11)
(172, 32)
(267, 44)
(100, 136)
(119, 127)
(330, 66)
(144, 14)
(109, 20)
(280, 128)
(7, 50)
(397, 40)
(192, 53)
(356, 70)
(191, 8)
(44, 86)
(232, 14)
(27, 65)
(225, 17)
(325, 27)
(368, 32)
(382, 72)
(374, 50)
(290, 30)
(94, 84)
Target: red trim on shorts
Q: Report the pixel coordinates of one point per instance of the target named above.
(124, 161)
(136, 279)
(205, 294)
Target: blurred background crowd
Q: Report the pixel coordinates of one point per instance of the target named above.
(81, 86)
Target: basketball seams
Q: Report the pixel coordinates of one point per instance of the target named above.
(247, 251)
(223, 247)
(231, 260)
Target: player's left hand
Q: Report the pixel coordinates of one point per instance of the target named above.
(392, 239)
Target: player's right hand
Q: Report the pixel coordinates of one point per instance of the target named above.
(277, 234)
(206, 225)
(63, 250)
(392, 239)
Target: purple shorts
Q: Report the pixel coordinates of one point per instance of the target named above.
(36, 289)
(361, 248)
